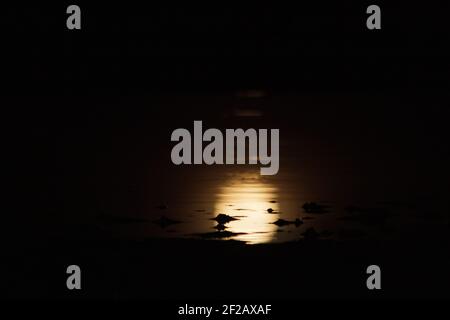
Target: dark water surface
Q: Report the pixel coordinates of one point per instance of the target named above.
(109, 198)
(376, 170)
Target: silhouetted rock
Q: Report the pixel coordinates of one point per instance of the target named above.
(164, 222)
(161, 207)
(282, 222)
(219, 234)
(311, 234)
(220, 227)
(314, 208)
(223, 218)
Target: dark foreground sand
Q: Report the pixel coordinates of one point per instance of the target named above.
(206, 269)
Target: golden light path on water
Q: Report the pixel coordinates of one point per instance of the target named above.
(247, 197)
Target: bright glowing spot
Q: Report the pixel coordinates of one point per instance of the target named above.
(249, 198)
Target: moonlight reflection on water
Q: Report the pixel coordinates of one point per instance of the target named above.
(248, 197)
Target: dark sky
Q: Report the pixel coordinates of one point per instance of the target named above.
(56, 77)
(309, 46)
